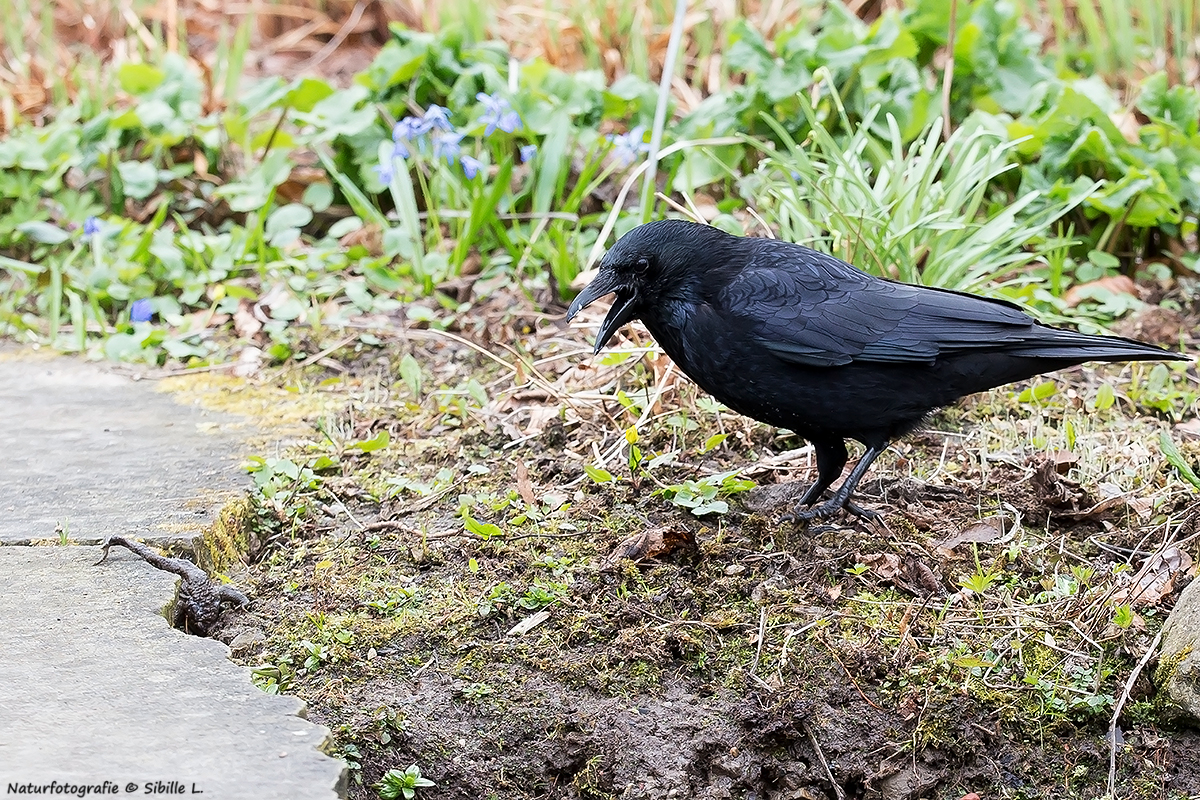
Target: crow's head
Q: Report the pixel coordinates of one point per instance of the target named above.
(648, 265)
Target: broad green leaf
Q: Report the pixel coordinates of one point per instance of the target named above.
(139, 78)
(344, 226)
(43, 232)
(551, 165)
(711, 507)
(307, 93)
(376, 442)
(284, 223)
(139, 178)
(477, 392)
(748, 51)
(660, 460)
(484, 530)
(319, 197)
(410, 372)
(1176, 460)
(597, 474)
(615, 357)
(396, 63)
(1038, 392)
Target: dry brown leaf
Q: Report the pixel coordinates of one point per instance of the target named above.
(245, 323)
(1062, 496)
(524, 486)
(1063, 461)
(540, 417)
(648, 543)
(1096, 512)
(1156, 578)
(1128, 124)
(1190, 428)
(249, 362)
(921, 577)
(1142, 506)
(370, 237)
(985, 531)
(884, 565)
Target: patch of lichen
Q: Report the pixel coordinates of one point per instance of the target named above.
(1168, 666)
(1160, 708)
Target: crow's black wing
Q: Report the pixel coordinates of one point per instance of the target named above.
(811, 309)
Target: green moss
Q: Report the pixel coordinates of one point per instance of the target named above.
(1168, 666)
(227, 541)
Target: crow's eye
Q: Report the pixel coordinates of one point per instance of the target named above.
(642, 266)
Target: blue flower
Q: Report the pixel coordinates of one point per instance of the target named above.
(141, 311)
(628, 146)
(407, 131)
(386, 168)
(446, 145)
(497, 113)
(385, 171)
(91, 226)
(528, 152)
(471, 166)
(399, 145)
(436, 117)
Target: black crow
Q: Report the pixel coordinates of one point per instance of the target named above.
(802, 340)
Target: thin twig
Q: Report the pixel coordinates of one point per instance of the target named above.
(762, 634)
(851, 678)
(816, 746)
(1112, 726)
(338, 38)
(328, 351)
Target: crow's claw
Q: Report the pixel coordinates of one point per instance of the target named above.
(869, 514)
(828, 509)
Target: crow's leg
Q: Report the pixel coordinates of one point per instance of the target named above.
(841, 498)
(831, 460)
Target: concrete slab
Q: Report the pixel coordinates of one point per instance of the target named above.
(96, 689)
(86, 449)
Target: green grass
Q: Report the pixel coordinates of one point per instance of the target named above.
(1125, 40)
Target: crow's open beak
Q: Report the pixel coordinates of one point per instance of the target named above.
(622, 310)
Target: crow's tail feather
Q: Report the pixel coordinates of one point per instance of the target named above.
(1081, 347)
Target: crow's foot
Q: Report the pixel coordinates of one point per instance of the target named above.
(828, 509)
